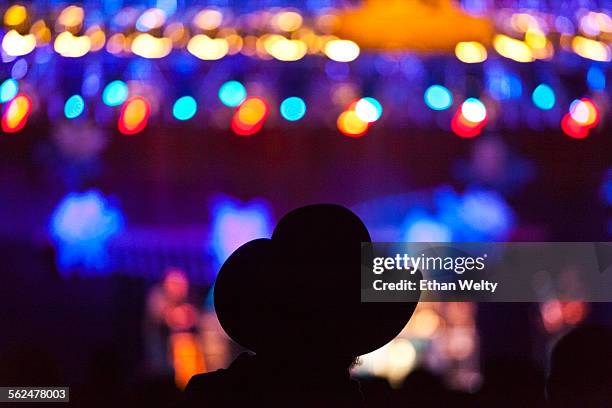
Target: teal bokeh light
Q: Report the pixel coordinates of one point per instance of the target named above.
(232, 93)
(8, 90)
(438, 97)
(543, 97)
(185, 108)
(74, 107)
(115, 93)
(293, 108)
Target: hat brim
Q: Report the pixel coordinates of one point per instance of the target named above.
(260, 305)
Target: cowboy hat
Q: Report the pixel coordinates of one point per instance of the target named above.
(302, 287)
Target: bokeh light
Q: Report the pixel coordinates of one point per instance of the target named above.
(250, 116)
(513, 49)
(596, 78)
(115, 93)
(74, 106)
(471, 52)
(80, 227)
(543, 97)
(351, 125)
(8, 90)
(16, 113)
(341, 50)
(584, 112)
(474, 110)
(465, 128)
(134, 115)
(368, 109)
(15, 15)
(234, 223)
(206, 48)
(438, 97)
(15, 44)
(293, 108)
(232, 93)
(572, 128)
(184, 108)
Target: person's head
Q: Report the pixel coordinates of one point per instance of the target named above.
(581, 369)
(299, 292)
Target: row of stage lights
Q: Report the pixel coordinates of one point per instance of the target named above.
(284, 35)
(251, 111)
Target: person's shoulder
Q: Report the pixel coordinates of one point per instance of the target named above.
(200, 382)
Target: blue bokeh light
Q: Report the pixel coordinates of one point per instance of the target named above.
(185, 108)
(20, 69)
(74, 106)
(232, 93)
(293, 108)
(504, 85)
(80, 227)
(115, 93)
(543, 97)
(596, 78)
(8, 90)
(235, 223)
(438, 97)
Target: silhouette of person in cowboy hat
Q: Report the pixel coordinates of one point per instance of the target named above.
(294, 300)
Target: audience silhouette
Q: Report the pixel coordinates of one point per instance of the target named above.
(581, 369)
(294, 301)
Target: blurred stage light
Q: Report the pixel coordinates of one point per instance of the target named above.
(341, 50)
(16, 113)
(438, 97)
(8, 90)
(234, 223)
(71, 17)
(288, 21)
(252, 111)
(284, 49)
(151, 19)
(351, 125)
(512, 48)
(206, 48)
(115, 93)
(572, 128)
(471, 52)
(184, 108)
(97, 37)
(208, 19)
(486, 214)
(543, 97)
(591, 49)
(584, 112)
(368, 109)
(473, 110)
(250, 116)
(74, 106)
(503, 85)
(463, 127)
(232, 93)
(20, 69)
(134, 115)
(148, 46)
(15, 44)
(15, 15)
(293, 108)
(80, 226)
(426, 229)
(70, 46)
(596, 78)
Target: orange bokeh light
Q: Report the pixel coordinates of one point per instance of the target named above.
(134, 115)
(16, 113)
